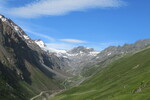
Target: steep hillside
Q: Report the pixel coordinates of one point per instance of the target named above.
(125, 79)
(25, 69)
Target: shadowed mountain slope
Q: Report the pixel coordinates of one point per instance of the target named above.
(25, 69)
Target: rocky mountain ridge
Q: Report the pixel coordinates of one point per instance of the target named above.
(32, 67)
(75, 58)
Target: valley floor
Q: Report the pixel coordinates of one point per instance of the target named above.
(125, 79)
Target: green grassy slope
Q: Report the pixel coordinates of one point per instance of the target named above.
(125, 79)
(41, 82)
(12, 88)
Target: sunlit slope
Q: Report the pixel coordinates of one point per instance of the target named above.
(125, 79)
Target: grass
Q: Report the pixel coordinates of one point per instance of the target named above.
(40, 82)
(12, 88)
(125, 79)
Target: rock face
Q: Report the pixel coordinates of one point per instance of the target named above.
(21, 56)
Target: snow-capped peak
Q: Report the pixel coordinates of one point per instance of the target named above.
(81, 50)
(3, 18)
(75, 52)
(40, 43)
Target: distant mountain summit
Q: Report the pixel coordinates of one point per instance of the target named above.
(75, 58)
(40, 43)
(64, 53)
(80, 49)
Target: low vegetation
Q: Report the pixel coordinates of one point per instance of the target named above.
(125, 79)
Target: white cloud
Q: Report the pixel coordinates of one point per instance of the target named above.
(73, 41)
(40, 35)
(58, 43)
(53, 39)
(60, 7)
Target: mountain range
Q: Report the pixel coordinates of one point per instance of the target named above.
(28, 67)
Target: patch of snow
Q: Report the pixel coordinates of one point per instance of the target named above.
(81, 52)
(2, 18)
(40, 43)
(26, 37)
(29, 42)
(63, 53)
(94, 53)
(109, 54)
(16, 28)
(58, 53)
(65, 56)
(71, 55)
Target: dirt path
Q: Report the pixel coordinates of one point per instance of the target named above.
(37, 95)
(54, 92)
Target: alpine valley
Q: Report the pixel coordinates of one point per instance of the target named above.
(30, 70)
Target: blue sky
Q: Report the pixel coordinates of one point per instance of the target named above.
(64, 24)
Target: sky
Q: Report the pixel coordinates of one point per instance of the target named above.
(64, 24)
